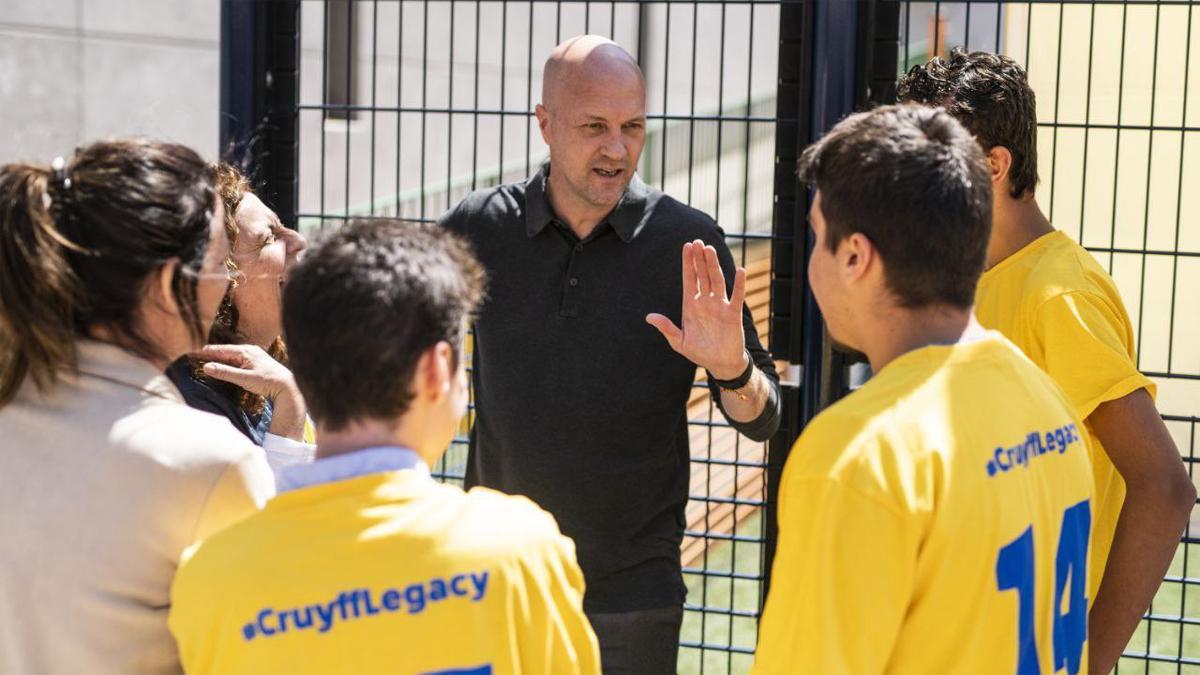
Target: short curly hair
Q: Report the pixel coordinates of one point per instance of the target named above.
(989, 94)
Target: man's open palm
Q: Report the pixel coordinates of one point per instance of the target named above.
(711, 335)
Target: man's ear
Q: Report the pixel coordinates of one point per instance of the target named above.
(543, 118)
(1000, 162)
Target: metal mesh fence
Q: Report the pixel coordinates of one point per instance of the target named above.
(405, 107)
(1118, 147)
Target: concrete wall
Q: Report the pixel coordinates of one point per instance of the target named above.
(72, 71)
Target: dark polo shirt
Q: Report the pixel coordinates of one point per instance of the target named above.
(580, 404)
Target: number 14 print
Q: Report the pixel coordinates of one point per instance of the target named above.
(1014, 571)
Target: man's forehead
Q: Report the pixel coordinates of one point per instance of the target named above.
(601, 102)
(607, 86)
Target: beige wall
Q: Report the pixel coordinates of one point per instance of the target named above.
(1134, 188)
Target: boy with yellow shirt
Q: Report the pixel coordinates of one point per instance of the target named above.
(1051, 298)
(936, 520)
(363, 563)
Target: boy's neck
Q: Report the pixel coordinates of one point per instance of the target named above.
(906, 330)
(370, 433)
(1016, 223)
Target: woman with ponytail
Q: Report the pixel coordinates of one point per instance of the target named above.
(112, 265)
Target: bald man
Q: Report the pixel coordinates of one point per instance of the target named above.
(605, 295)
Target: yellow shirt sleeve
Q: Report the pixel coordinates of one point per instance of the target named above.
(555, 635)
(1087, 348)
(242, 489)
(841, 581)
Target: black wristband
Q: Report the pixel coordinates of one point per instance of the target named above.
(739, 381)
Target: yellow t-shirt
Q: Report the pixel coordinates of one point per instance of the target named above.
(1056, 303)
(934, 521)
(385, 573)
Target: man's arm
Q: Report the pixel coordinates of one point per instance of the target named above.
(757, 411)
(718, 335)
(1159, 497)
(754, 410)
(749, 403)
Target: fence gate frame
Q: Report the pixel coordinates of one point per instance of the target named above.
(835, 57)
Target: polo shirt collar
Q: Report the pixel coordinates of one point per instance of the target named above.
(352, 465)
(627, 219)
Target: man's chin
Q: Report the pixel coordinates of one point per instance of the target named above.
(607, 198)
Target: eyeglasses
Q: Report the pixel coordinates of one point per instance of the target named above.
(227, 276)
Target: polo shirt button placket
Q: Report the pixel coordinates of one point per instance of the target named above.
(570, 300)
(569, 304)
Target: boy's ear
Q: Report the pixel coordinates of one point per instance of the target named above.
(435, 371)
(1000, 162)
(445, 366)
(857, 255)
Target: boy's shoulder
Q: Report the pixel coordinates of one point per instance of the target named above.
(1064, 267)
(475, 526)
(505, 522)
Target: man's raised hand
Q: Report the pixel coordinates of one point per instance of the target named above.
(711, 336)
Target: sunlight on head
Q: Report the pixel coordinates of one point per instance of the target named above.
(585, 63)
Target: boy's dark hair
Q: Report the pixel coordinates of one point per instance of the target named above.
(990, 95)
(363, 306)
(916, 184)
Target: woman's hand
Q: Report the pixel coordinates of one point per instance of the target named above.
(254, 370)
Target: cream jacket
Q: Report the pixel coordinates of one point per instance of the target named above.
(108, 477)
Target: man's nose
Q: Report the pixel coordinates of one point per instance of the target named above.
(614, 147)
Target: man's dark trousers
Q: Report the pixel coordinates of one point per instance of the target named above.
(644, 642)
